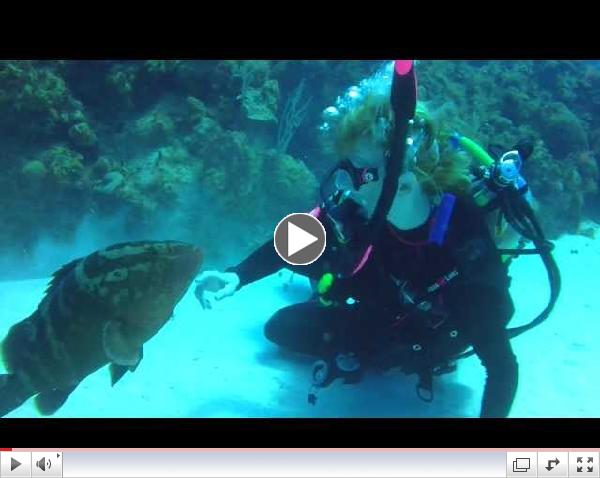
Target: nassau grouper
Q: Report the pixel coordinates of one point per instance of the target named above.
(97, 310)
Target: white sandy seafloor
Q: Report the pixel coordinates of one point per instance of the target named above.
(217, 363)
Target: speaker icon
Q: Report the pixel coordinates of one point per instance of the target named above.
(43, 464)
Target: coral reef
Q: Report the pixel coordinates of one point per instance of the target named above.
(34, 171)
(260, 104)
(82, 135)
(181, 142)
(65, 166)
(562, 130)
(35, 102)
(162, 66)
(154, 129)
(553, 103)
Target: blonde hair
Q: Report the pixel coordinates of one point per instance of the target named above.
(437, 169)
(371, 121)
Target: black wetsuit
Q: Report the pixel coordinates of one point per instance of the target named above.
(463, 284)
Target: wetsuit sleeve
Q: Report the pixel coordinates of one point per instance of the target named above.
(261, 263)
(264, 261)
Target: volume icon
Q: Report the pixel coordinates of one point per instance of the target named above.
(43, 464)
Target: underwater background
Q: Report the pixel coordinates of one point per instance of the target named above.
(215, 153)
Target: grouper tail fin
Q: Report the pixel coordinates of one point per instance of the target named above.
(12, 393)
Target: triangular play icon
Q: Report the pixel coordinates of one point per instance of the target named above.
(298, 239)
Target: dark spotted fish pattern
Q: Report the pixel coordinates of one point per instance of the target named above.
(97, 310)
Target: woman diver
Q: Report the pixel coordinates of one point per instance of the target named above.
(412, 276)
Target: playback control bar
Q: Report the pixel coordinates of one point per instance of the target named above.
(20, 464)
(298, 463)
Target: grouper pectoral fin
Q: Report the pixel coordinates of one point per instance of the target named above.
(117, 348)
(48, 403)
(117, 371)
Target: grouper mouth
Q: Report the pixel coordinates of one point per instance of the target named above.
(186, 264)
(190, 261)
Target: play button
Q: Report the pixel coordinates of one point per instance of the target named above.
(299, 239)
(15, 464)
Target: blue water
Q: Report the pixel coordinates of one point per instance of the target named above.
(193, 151)
(217, 363)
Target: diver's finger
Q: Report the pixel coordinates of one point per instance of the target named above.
(226, 291)
(210, 298)
(201, 296)
(205, 276)
(199, 291)
(200, 278)
(222, 294)
(230, 287)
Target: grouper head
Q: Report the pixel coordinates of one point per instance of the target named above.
(141, 282)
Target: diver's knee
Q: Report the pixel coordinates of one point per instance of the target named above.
(296, 328)
(273, 329)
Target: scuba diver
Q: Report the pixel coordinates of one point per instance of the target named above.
(412, 277)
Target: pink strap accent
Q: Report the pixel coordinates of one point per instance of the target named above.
(364, 260)
(402, 67)
(316, 212)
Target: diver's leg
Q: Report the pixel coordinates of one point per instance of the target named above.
(312, 329)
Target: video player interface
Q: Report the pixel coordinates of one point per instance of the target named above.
(241, 238)
(297, 463)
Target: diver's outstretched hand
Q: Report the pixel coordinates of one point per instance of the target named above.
(215, 285)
